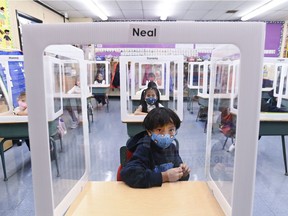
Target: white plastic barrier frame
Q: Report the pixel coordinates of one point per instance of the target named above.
(248, 37)
(107, 71)
(191, 84)
(125, 79)
(49, 67)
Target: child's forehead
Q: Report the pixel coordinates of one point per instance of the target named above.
(150, 91)
(168, 125)
(22, 98)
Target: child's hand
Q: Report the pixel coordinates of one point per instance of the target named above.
(185, 169)
(172, 175)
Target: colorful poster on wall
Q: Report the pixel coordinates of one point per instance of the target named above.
(274, 31)
(5, 27)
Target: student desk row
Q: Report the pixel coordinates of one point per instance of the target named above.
(203, 100)
(268, 126)
(101, 89)
(15, 128)
(74, 100)
(272, 125)
(115, 198)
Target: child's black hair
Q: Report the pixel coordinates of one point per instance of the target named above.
(159, 117)
(21, 96)
(143, 102)
(152, 84)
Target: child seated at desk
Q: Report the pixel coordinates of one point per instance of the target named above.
(100, 98)
(156, 160)
(74, 104)
(150, 99)
(22, 110)
(270, 104)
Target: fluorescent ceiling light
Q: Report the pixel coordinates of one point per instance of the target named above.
(163, 17)
(165, 8)
(266, 7)
(92, 5)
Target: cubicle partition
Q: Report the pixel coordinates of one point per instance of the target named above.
(12, 77)
(239, 199)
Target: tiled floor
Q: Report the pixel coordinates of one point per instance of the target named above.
(108, 133)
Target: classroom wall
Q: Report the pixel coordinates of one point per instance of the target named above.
(80, 20)
(33, 9)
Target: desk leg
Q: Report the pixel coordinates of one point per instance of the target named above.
(3, 159)
(284, 153)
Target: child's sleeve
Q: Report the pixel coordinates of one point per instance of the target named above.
(139, 109)
(71, 91)
(16, 110)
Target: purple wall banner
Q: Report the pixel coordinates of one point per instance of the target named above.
(274, 34)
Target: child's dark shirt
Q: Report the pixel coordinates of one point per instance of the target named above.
(144, 169)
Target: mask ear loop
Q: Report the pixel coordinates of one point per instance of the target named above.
(173, 136)
(149, 133)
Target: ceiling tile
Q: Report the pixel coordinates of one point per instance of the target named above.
(183, 10)
(133, 14)
(59, 5)
(194, 14)
(124, 5)
(202, 5)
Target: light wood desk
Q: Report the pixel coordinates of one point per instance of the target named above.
(172, 199)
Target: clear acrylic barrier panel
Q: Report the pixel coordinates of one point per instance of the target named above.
(64, 77)
(136, 73)
(221, 133)
(4, 106)
(189, 32)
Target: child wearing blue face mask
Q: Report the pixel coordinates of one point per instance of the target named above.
(150, 99)
(156, 159)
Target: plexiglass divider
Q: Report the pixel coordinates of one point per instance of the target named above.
(222, 123)
(274, 85)
(240, 200)
(137, 71)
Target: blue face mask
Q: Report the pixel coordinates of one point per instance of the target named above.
(151, 100)
(162, 141)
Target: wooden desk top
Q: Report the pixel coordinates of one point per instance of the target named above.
(226, 96)
(172, 199)
(9, 117)
(100, 85)
(274, 116)
(78, 96)
(271, 116)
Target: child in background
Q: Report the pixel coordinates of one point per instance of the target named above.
(100, 98)
(22, 110)
(156, 160)
(150, 99)
(99, 79)
(76, 88)
(74, 104)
